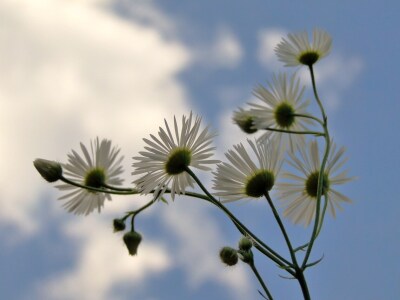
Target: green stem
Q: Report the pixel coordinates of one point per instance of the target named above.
(309, 117)
(316, 133)
(260, 280)
(316, 227)
(115, 188)
(242, 228)
(321, 107)
(303, 284)
(134, 213)
(282, 227)
(100, 190)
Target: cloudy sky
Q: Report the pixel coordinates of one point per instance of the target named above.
(71, 70)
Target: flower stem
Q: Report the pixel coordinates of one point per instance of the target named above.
(243, 229)
(100, 190)
(303, 284)
(282, 227)
(318, 218)
(316, 133)
(260, 280)
(309, 117)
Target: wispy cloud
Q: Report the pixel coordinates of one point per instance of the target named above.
(267, 41)
(225, 51)
(103, 264)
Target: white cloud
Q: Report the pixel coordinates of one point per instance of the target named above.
(148, 13)
(103, 264)
(225, 51)
(268, 39)
(70, 72)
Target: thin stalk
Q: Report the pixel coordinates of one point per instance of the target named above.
(100, 190)
(316, 227)
(282, 227)
(135, 212)
(260, 280)
(116, 188)
(242, 228)
(321, 107)
(309, 117)
(316, 133)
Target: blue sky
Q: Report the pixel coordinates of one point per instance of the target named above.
(74, 70)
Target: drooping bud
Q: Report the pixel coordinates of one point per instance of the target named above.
(245, 244)
(229, 256)
(50, 170)
(119, 225)
(132, 240)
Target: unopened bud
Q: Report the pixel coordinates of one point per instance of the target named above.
(245, 244)
(119, 225)
(132, 240)
(246, 256)
(229, 256)
(50, 170)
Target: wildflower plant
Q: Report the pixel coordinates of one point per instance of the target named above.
(282, 133)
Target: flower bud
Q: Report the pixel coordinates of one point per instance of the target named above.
(245, 244)
(132, 240)
(246, 256)
(229, 256)
(50, 170)
(119, 225)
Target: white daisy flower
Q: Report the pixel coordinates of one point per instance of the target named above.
(245, 120)
(299, 196)
(167, 157)
(297, 50)
(101, 166)
(241, 177)
(281, 101)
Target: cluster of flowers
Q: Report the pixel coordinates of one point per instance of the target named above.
(164, 163)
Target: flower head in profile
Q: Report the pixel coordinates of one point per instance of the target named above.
(297, 49)
(299, 196)
(245, 120)
(165, 159)
(241, 177)
(99, 166)
(281, 102)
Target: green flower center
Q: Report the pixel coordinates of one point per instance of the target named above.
(178, 160)
(284, 115)
(95, 178)
(312, 184)
(309, 58)
(259, 183)
(247, 125)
